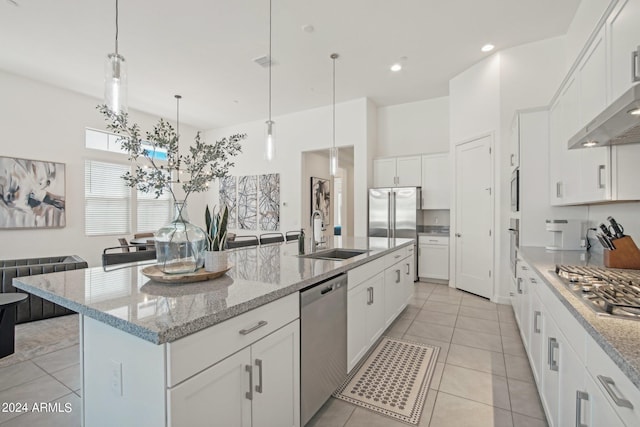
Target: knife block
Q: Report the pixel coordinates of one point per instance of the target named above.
(625, 255)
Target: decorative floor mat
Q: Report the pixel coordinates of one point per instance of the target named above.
(393, 380)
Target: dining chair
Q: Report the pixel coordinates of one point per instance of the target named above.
(110, 256)
(292, 235)
(271, 238)
(242, 241)
(141, 235)
(124, 245)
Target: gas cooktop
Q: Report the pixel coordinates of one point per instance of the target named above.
(608, 292)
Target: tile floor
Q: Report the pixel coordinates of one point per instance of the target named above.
(44, 370)
(482, 378)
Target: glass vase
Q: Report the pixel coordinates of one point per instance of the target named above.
(180, 245)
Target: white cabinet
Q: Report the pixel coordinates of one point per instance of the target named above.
(365, 316)
(596, 410)
(397, 280)
(435, 181)
(258, 386)
(538, 320)
(550, 391)
(514, 143)
(409, 276)
(623, 37)
(433, 257)
(397, 172)
(557, 153)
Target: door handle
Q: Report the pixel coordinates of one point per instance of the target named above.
(536, 316)
(249, 394)
(258, 325)
(580, 396)
(600, 180)
(398, 277)
(259, 385)
(634, 65)
(607, 382)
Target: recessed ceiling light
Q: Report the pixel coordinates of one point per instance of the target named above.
(308, 28)
(634, 112)
(590, 144)
(487, 48)
(396, 67)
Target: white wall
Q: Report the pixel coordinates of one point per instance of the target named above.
(43, 122)
(414, 128)
(306, 131)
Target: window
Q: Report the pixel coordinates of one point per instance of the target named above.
(106, 141)
(107, 201)
(152, 213)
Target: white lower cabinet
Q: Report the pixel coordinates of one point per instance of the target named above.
(395, 290)
(433, 257)
(550, 391)
(257, 386)
(538, 320)
(365, 317)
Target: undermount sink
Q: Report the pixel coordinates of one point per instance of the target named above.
(335, 254)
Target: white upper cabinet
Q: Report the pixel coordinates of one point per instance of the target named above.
(556, 154)
(435, 181)
(397, 172)
(623, 37)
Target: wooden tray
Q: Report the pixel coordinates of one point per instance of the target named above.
(154, 273)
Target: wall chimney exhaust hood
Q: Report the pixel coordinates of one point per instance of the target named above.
(619, 123)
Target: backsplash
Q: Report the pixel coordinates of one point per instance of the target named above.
(435, 217)
(627, 214)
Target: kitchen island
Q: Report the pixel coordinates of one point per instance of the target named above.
(154, 354)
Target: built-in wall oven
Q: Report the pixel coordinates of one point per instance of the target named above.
(514, 230)
(515, 191)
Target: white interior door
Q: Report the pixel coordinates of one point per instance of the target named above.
(474, 249)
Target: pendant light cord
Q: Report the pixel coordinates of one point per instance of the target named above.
(334, 56)
(178, 97)
(270, 59)
(117, 28)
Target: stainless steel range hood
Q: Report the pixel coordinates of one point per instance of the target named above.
(615, 125)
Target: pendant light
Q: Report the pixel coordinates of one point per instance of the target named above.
(115, 83)
(333, 151)
(270, 137)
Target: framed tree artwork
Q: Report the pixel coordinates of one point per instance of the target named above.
(321, 197)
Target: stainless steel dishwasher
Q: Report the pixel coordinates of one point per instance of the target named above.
(323, 343)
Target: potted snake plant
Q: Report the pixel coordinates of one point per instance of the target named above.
(215, 257)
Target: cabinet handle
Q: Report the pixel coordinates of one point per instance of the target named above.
(580, 396)
(519, 287)
(553, 344)
(532, 280)
(398, 276)
(434, 241)
(372, 290)
(259, 385)
(607, 382)
(558, 189)
(600, 180)
(634, 65)
(525, 268)
(249, 394)
(369, 295)
(408, 269)
(536, 316)
(258, 325)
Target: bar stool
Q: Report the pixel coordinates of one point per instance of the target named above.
(8, 302)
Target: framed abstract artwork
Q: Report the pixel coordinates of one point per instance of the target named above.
(321, 197)
(32, 193)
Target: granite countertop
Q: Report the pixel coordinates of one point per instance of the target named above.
(121, 296)
(619, 338)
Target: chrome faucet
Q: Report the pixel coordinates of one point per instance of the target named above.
(314, 243)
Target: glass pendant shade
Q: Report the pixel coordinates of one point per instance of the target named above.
(115, 83)
(333, 161)
(270, 141)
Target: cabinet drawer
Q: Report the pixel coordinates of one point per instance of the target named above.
(611, 380)
(190, 355)
(395, 256)
(358, 275)
(433, 240)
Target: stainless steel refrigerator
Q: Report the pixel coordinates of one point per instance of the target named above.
(395, 213)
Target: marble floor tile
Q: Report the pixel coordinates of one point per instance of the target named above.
(59, 359)
(409, 313)
(43, 389)
(478, 302)
(509, 330)
(427, 409)
(513, 346)
(416, 302)
(334, 413)
(518, 368)
(441, 307)
(506, 317)
(19, 373)
(444, 346)
(436, 318)
(398, 328)
(478, 325)
(477, 339)
(68, 414)
(525, 399)
(479, 313)
(364, 418)
(477, 359)
(454, 411)
(437, 376)
(474, 385)
(429, 330)
(69, 376)
(449, 299)
(446, 289)
(524, 421)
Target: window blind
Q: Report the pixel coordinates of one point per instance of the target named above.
(153, 213)
(107, 199)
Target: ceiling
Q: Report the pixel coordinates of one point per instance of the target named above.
(204, 49)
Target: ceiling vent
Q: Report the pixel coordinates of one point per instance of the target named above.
(263, 61)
